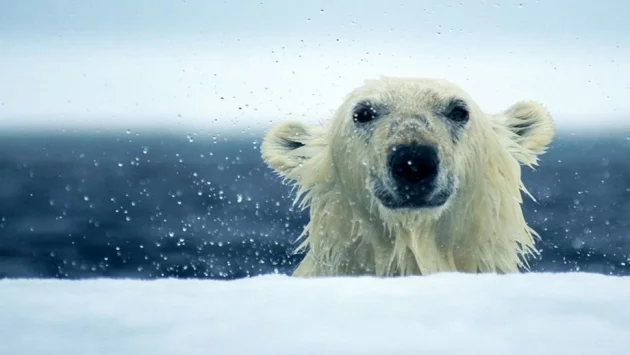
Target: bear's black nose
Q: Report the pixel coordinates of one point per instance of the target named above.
(414, 167)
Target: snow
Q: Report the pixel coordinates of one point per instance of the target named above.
(575, 313)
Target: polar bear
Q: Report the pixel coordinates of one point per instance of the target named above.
(411, 177)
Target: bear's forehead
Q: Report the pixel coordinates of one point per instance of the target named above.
(412, 92)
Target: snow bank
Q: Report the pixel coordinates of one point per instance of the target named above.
(441, 314)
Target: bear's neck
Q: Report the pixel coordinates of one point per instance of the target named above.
(482, 232)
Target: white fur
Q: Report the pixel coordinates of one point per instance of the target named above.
(480, 229)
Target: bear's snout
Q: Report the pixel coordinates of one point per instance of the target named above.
(414, 167)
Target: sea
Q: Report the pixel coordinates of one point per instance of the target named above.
(76, 205)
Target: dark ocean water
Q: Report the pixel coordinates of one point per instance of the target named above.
(149, 205)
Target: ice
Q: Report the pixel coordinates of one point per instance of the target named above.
(573, 313)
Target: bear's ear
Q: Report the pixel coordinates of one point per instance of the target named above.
(290, 148)
(532, 129)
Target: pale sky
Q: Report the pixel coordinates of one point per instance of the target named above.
(212, 64)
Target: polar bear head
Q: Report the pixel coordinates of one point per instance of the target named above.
(416, 154)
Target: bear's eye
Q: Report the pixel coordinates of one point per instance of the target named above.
(458, 113)
(364, 112)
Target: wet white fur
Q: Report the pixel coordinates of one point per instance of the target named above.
(480, 229)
